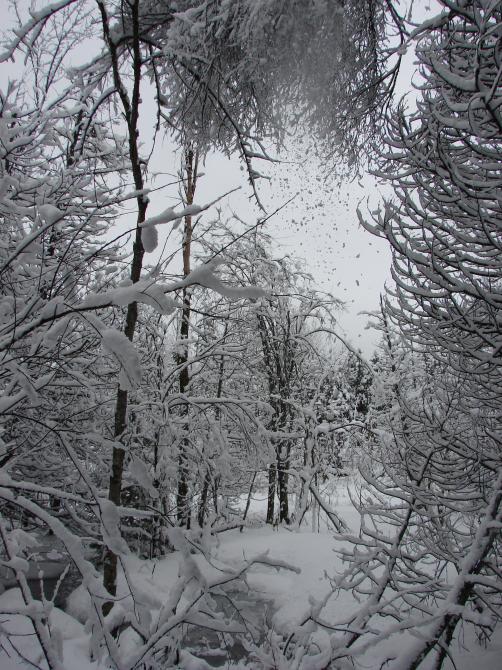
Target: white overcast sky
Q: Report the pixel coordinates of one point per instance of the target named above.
(321, 225)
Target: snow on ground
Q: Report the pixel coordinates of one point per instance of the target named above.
(73, 639)
(288, 592)
(281, 597)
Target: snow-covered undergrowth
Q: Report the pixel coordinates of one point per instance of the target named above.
(289, 581)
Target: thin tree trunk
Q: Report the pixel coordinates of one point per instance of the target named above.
(182, 506)
(131, 113)
(219, 391)
(282, 484)
(156, 541)
(248, 501)
(283, 450)
(203, 498)
(272, 476)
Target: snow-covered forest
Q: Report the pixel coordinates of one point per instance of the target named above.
(198, 468)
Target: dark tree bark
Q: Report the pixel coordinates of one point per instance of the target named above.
(272, 476)
(130, 107)
(182, 504)
(282, 483)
